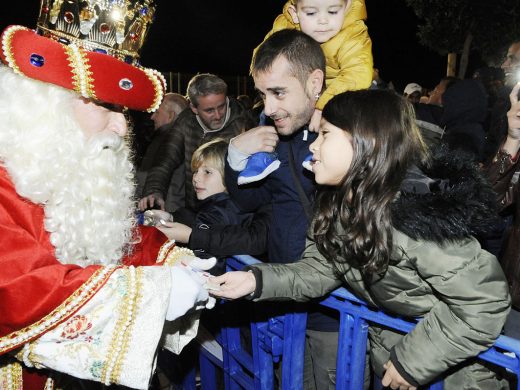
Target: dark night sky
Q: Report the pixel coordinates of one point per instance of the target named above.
(218, 36)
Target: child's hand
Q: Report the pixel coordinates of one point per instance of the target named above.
(258, 139)
(394, 380)
(314, 124)
(175, 231)
(233, 285)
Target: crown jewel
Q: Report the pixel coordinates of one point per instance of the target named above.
(114, 27)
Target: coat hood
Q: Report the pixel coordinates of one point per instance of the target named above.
(464, 102)
(446, 200)
(465, 109)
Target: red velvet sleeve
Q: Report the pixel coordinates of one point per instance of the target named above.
(146, 250)
(36, 290)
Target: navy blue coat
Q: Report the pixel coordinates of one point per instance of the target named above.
(288, 228)
(289, 223)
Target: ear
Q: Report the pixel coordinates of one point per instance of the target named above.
(194, 109)
(171, 116)
(315, 82)
(294, 15)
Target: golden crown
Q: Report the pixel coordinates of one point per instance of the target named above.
(114, 27)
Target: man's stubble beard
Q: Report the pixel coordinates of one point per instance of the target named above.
(300, 120)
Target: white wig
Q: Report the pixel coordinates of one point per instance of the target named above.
(84, 184)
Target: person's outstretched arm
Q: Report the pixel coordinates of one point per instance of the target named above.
(311, 277)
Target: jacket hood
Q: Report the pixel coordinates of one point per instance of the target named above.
(465, 109)
(465, 102)
(446, 200)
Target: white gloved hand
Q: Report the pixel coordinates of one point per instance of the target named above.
(199, 264)
(187, 292)
(203, 279)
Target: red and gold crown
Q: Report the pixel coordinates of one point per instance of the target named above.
(91, 47)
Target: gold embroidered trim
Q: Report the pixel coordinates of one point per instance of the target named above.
(123, 329)
(158, 82)
(11, 376)
(165, 249)
(7, 47)
(87, 45)
(24, 355)
(178, 254)
(81, 74)
(71, 304)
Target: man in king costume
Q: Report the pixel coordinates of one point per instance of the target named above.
(84, 292)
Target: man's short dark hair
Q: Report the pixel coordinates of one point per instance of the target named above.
(302, 52)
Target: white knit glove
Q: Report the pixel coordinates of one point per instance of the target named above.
(198, 264)
(203, 279)
(187, 292)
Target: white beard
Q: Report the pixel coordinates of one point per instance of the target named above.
(88, 210)
(91, 217)
(85, 186)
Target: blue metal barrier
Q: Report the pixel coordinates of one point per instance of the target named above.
(284, 336)
(254, 367)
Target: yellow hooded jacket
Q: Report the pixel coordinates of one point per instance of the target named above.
(348, 54)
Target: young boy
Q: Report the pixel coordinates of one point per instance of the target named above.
(218, 228)
(216, 210)
(338, 25)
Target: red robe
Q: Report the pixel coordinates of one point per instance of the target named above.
(34, 285)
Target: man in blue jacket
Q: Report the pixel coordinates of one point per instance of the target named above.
(288, 70)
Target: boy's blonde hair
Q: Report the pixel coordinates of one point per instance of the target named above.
(213, 153)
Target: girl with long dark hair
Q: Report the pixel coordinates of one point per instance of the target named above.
(395, 224)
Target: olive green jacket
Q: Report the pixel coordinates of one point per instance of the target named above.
(439, 273)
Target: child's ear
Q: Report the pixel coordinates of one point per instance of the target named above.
(294, 15)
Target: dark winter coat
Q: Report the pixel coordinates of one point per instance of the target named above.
(501, 172)
(289, 222)
(248, 237)
(175, 190)
(178, 148)
(439, 272)
(220, 228)
(465, 110)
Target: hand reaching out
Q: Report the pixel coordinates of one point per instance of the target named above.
(175, 231)
(150, 201)
(187, 292)
(233, 285)
(394, 380)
